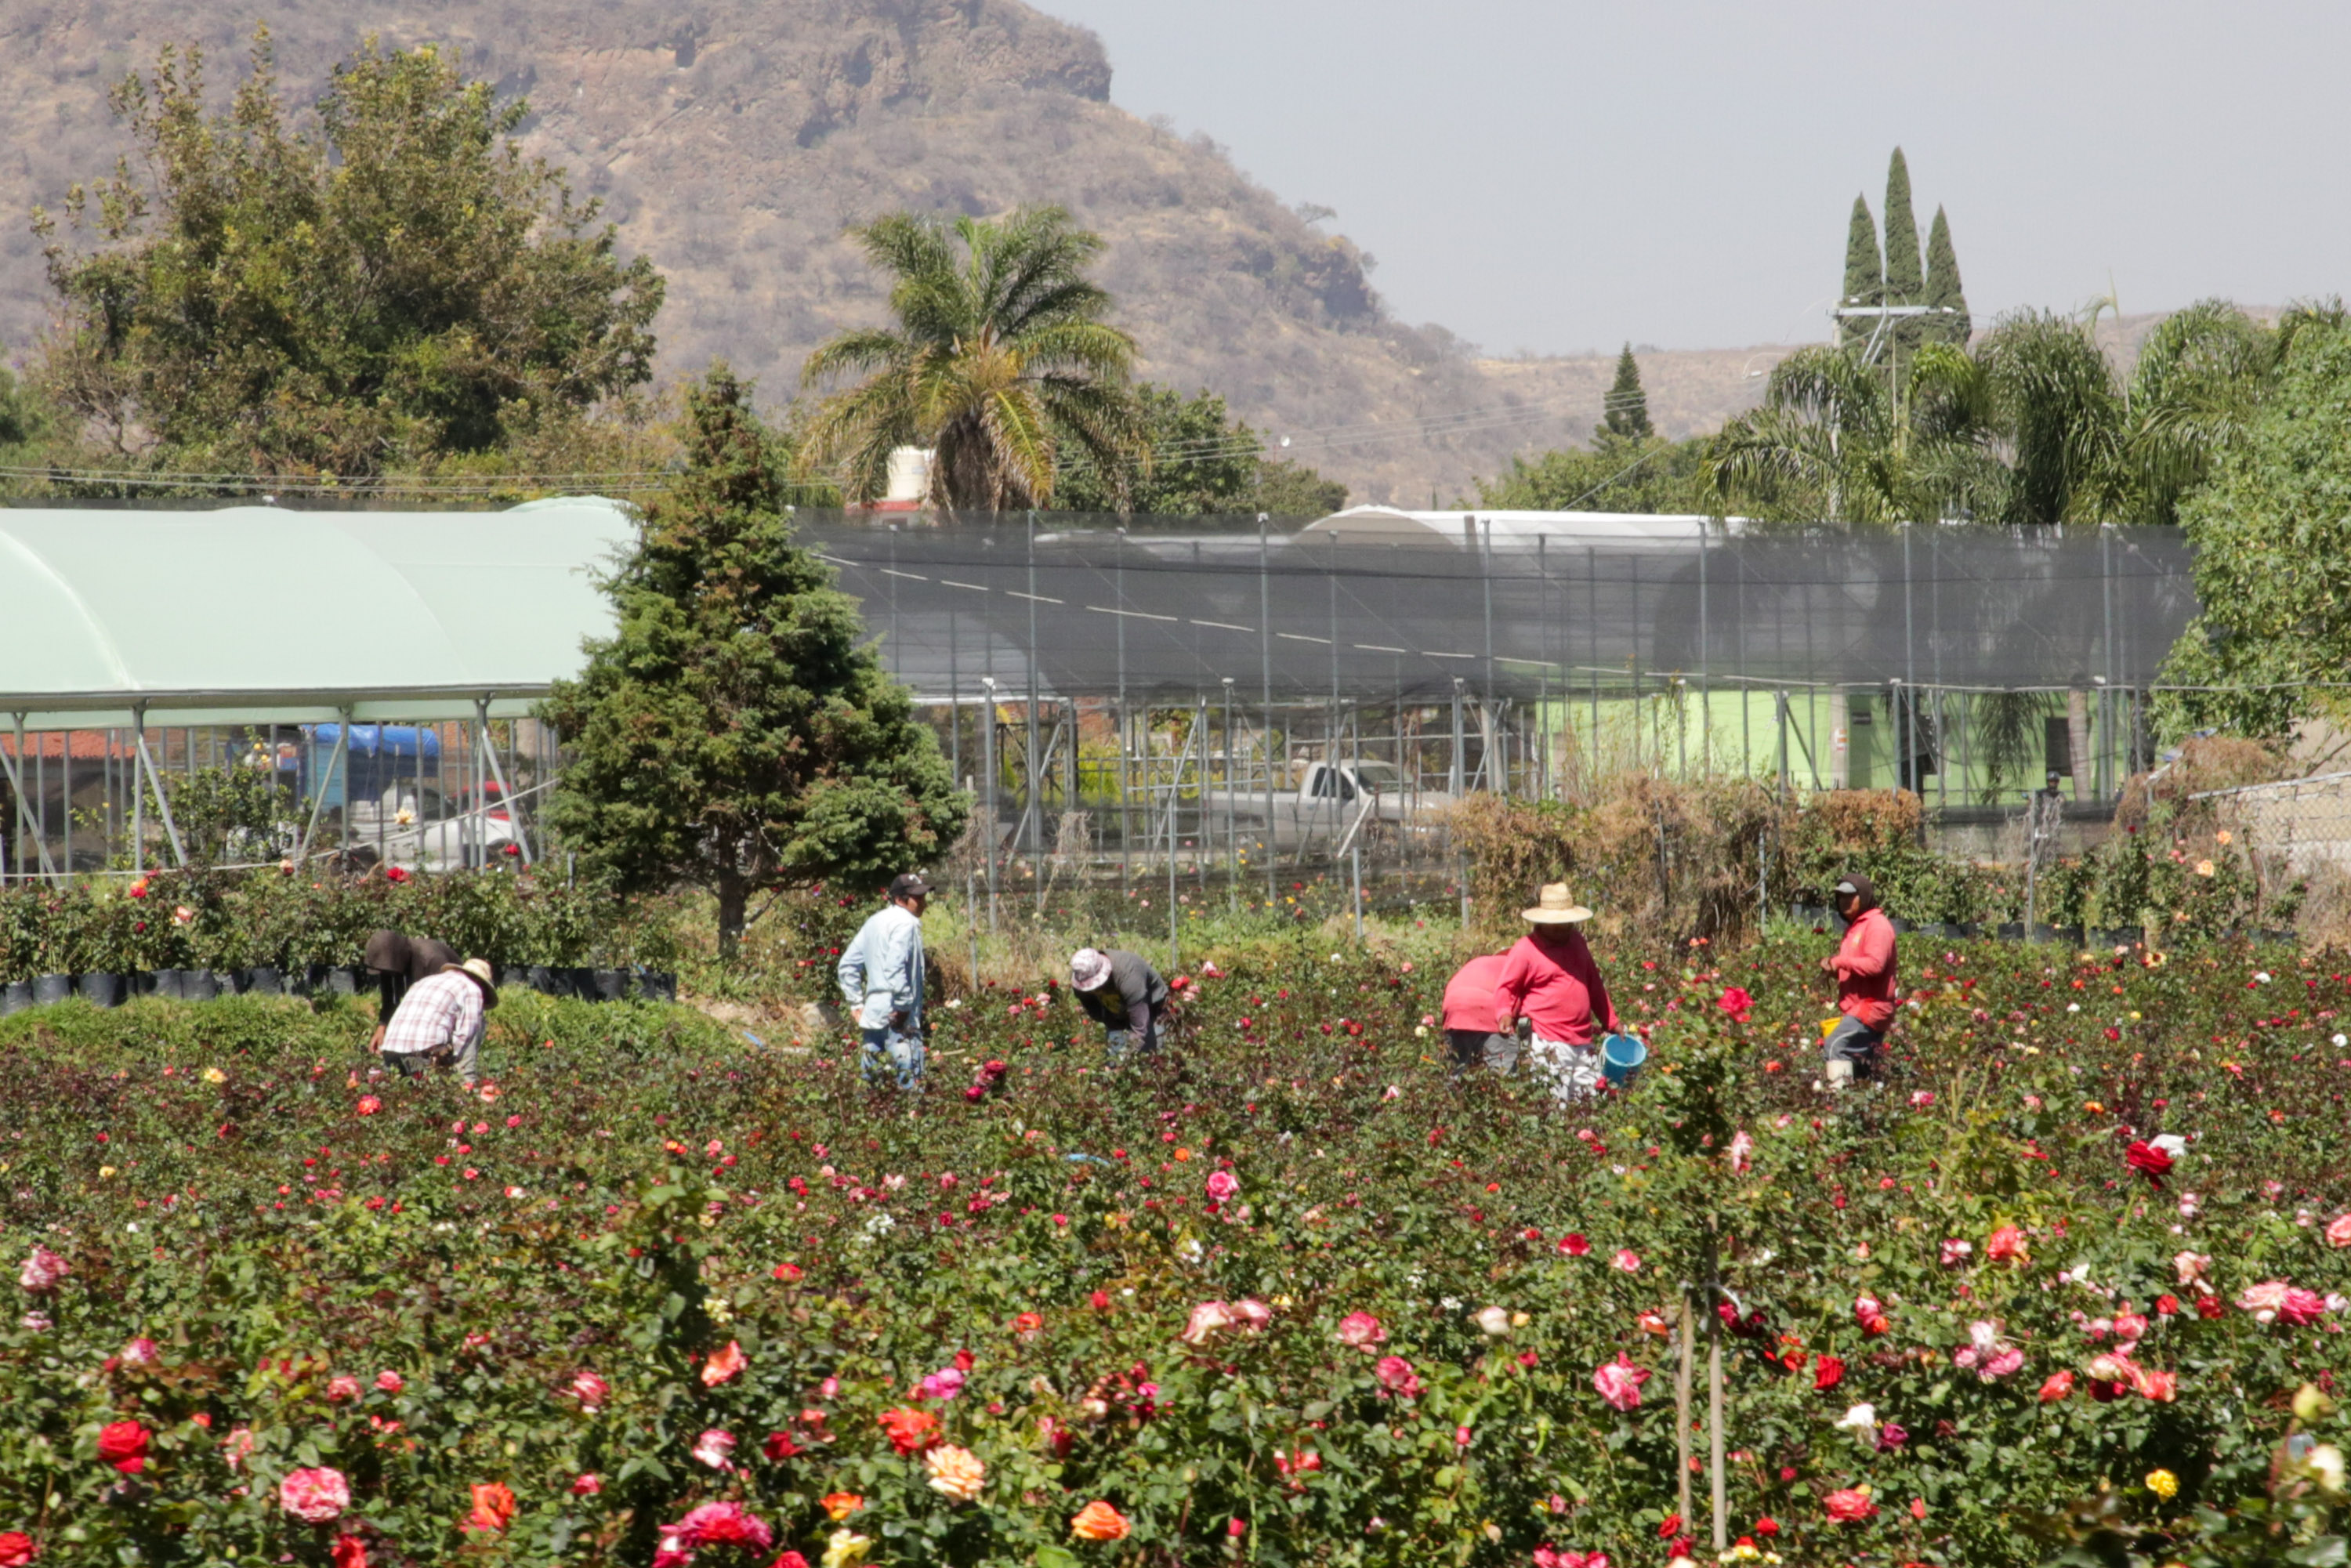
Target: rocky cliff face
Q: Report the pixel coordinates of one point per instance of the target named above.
(735, 140)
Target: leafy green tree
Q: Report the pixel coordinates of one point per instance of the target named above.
(735, 733)
(999, 356)
(2272, 536)
(1944, 290)
(1865, 273)
(389, 282)
(1620, 475)
(1288, 489)
(1625, 414)
(1905, 285)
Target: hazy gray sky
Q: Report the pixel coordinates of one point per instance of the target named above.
(1558, 175)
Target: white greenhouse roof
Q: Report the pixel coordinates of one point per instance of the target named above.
(264, 614)
(1394, 525)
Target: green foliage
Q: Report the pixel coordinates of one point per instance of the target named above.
(1000, 355)
(1944, 290)
(1202, 463)
(389, 284)
(1627, 416)
(1615, 476)
(2273, 536)
(1865, 272)
(647, 1190)
(223, 920)
(737, 734)
(1904, 283)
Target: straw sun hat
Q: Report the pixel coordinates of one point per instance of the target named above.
(1555, 908)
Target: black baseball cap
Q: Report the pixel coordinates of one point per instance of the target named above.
(909, 884)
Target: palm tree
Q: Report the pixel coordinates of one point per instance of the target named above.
(999, 354)
(1841, 441)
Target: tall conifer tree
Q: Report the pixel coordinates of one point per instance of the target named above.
(1627, 417)
(1905, 283)
(1943, 289)
(1864, 274)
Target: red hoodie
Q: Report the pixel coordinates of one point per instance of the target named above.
(1550, 976)
(1865, 971)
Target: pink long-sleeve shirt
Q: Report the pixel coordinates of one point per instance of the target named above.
(1549, 976)
(1865, 971)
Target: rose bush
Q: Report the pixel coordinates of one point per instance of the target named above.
(660, 1294)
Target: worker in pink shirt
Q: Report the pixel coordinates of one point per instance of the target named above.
(1469, 1018)
(1864, 968)
(1549, 978)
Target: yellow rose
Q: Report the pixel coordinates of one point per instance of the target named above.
(847, 1549)
(2163, 1484)
(215, 1075)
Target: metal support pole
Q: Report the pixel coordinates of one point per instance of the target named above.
(1264, 678)
(23, 811)
(514, 808)
(162, 806)
(1034, 808)
(1232, 812)
(1124, 825)
(1909, 730)
(988, 767)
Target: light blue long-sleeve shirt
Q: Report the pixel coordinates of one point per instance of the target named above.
(881, 969)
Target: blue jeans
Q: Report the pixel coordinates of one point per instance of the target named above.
(885, 1050)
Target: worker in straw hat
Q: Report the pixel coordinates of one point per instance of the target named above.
(1550, 979)
(440, 1021)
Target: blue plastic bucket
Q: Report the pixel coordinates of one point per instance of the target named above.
(1621, 1056)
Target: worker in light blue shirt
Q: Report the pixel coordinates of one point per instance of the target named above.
(882, 980)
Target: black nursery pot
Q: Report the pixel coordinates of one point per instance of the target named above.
(48, 988)
(172, 985)
(101, 990)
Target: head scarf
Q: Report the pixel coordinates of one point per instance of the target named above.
(1864, 891)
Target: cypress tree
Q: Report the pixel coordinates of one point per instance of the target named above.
(1865, 275)
(1627, 417)
(1904, 283)
(1943, 286)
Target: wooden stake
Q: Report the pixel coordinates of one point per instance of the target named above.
(1682, 1413)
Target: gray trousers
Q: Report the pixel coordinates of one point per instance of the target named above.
(1476, 1047)
(1849, 1041)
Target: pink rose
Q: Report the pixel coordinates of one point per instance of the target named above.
(317, 1496)
(43, 1269)
(2001, 1363)
(2301, 1307)
(390, 1382)
(237, 1447)
(341, 1389)
(1956, 1252)
(1222, 1185)
(1361, 1330)
(944, 1385)
(1850, 1505)
(1628, 1260)
(2339, 1233)
(1742, 1152)
(1398, 1376)
(587, 1485)
(590, 1391)
(1252, 1314)
(715, 1448)
(1206, 1319)
(138, 1352)
(1619, 1382)
(369, 1105)
(720, 1524)
(2264, 1301)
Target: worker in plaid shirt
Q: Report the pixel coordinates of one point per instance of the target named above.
(439, 1020)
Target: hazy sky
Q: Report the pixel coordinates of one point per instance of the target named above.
(1557, 175)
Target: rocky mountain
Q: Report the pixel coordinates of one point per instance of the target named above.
(733, 141)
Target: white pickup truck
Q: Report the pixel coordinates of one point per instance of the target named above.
(1331, 801)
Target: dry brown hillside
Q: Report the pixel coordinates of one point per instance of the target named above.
(734, 140)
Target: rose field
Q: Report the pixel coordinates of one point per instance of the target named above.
(2071, 1278)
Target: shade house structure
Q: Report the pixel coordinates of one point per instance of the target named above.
(384, 665)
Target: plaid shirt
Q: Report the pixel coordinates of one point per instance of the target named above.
(441, 1010)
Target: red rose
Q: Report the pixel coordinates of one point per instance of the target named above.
(1831, 1374)
(2146, 1158)
(123, 1444)
(1669, 1527)
(2208, 1307)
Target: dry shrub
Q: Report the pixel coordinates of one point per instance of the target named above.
(1865, 819)
(1650, 855)
(2204, 763)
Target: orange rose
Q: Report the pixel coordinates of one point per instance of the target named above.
(1099, 1522)
(494, 1508)
(839, 1505)
(910, 1430)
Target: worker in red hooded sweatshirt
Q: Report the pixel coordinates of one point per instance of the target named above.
(1864, 968)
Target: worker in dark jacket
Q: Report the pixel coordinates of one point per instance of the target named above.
(398, 962)
(1121, 992)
